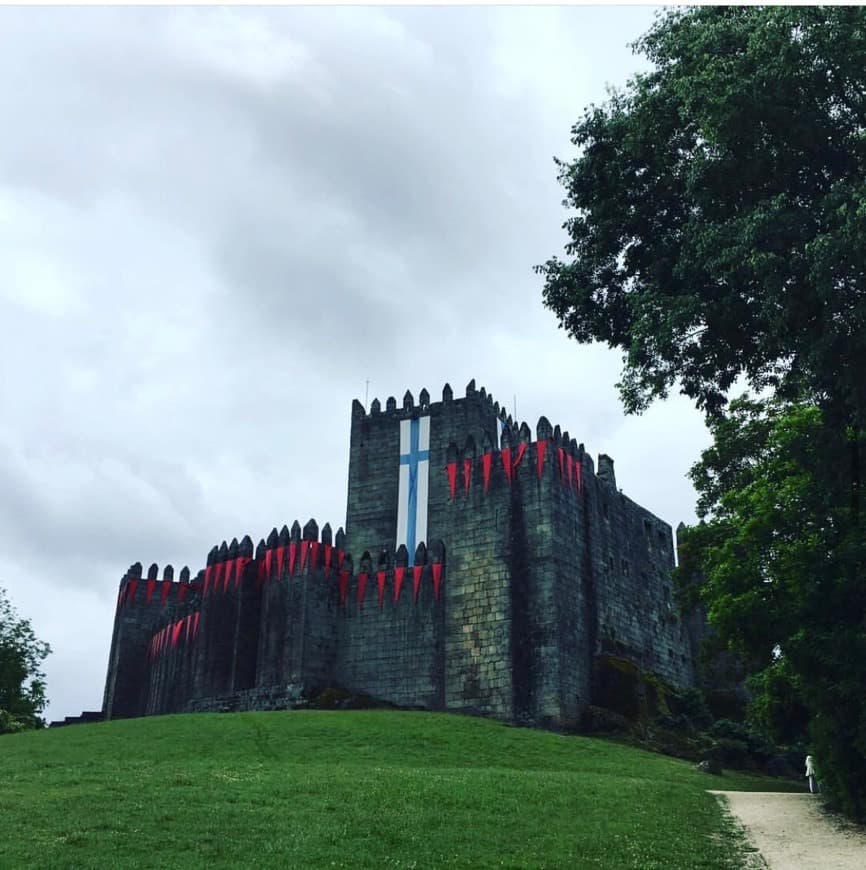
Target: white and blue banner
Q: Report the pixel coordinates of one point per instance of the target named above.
(414, 480)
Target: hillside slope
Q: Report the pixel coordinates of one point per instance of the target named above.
(351, 789)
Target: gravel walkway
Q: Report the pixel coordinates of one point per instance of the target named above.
(792, 833)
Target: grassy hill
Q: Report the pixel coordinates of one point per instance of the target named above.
(376, 789)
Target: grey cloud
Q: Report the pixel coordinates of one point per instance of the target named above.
(217, 224)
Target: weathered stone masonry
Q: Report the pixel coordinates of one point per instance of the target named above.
(532, 567)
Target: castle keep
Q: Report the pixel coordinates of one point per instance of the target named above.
(480, 570)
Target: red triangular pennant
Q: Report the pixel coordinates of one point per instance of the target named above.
(399, 572)
(314, 555)
(341, 554)
(437, 578)
(362, 587)
(305, 547)
(218, 575)
(227, 573)
(149, 589)
(506, 462)
(521, 449)
(269, 564)
(569, 465)
(293, 555)
(540, 450)
(344, 585)
(240, 567)
(130, 591)
(486, 465)
(328, 551)
(451, 471)
(561, 454)
(380, 582)
(467, 475)
(281, 553)
(417, 570)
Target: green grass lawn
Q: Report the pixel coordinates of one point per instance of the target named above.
(375, 789)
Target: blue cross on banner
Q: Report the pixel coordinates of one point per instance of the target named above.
(414, 478)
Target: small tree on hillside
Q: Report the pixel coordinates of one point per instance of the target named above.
(22, 683)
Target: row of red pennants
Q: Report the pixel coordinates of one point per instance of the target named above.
(127, 592)
(221, 574)
(399, 577)
(184, 629)
(570, 469)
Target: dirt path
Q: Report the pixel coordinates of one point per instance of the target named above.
(792, 833)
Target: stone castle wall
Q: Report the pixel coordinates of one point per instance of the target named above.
(536, 564)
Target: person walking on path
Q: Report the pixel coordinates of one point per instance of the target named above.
(810, 775)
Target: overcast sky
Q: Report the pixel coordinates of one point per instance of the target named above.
(217, 224)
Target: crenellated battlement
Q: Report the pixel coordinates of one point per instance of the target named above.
(549, 565)
(137, 591)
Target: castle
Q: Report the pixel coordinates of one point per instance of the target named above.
(479, 571)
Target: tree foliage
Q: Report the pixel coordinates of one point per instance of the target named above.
(22, 683)
(718, 231)
(720, 210)
(781, 562)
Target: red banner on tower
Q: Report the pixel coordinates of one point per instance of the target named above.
(293, 555)
(380, 582)
(149, 589)
(328, 551)
(437, 578)
(344, 585)
(451, 471)
(399, 573)
(362, 587)
(467, 475)
(314, 555)
(521, 449)
(240, 567)
(486, 465)
(506, 462)
(540, 450)
(417, 570)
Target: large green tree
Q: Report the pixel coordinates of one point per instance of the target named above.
(717, 232)
(22, 683)
(774, 550)
(719, 224)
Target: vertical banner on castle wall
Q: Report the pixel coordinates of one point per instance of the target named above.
(414, 478)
